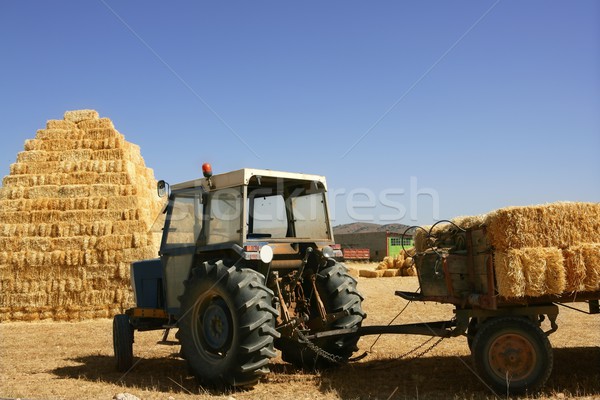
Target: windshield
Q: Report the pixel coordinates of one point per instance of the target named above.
(287, 209)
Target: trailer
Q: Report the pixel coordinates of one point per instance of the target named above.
(510, 351)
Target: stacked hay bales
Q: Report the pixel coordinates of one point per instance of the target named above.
(539, 250)
(76, 209)
(400, 265)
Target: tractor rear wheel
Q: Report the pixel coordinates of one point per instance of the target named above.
(512, 355)
(123, 342)
(337, 290)
(227, 325)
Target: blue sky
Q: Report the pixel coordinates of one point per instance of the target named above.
(484, 103)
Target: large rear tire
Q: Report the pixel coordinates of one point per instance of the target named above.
(227, 325)
(512, 355)
(123, 342)
(337, 290)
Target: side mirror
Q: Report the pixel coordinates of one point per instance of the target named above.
(162, 188)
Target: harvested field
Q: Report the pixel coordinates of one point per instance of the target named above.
(74, 360)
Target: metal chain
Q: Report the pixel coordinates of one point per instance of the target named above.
(427, 350)
(338, 360)
(403, 356)
(319, 351)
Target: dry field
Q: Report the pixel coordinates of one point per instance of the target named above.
(45, 360)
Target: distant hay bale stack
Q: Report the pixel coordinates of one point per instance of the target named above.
(75, 210)
(387, 263)
(398, 261)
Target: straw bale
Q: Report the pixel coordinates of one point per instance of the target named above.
(97, 123)
(129, 227)
(470, 221)
(18, 168)
(367, 273)
(398, 261)
(121, 270)
(14, 217)
(139, 253)
(539, 265)
(140, 239)
(59, 134)
(74, 243)
(560, 225)
(109, 190)
(556, 275)
(32, 156)
(387, 263)
(13, 192)
(388, 273)
(71, 155)
(25, 243)
(420, 238)
(114, 242)
(591, 259)
(112, 257)
(114, 178)
(510, 279)
(102, 134)
(410, 252)
(60, 124)
(77, 116)
(110, 154)
(122, 202)
(408, 262)
(576, 271)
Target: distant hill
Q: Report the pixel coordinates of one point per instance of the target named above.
(363, 227)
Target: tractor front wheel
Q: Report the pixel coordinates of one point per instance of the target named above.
(227, 325)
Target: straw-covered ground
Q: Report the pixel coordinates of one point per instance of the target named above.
(73, 360)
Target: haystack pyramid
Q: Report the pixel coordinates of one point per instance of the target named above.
(75, 210)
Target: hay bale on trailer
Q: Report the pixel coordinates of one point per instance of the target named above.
(76, 209)
(538, 250)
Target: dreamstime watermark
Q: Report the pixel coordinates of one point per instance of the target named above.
(285, 201)
(366, 205)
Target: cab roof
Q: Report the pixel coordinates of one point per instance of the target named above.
(243, 176)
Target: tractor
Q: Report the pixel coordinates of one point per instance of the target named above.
(247, 265)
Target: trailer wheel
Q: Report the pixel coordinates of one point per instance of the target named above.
(123, 342)
(338, 291)
(227, 325)
(512, 355)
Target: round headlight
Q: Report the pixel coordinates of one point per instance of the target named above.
(266, 254)
(327, 252)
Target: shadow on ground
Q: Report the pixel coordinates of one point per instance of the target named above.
(168, 374)
(576, 372)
